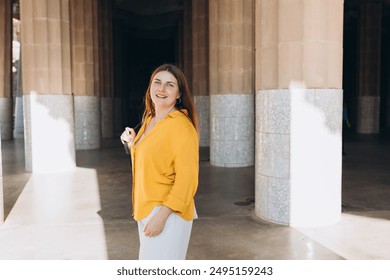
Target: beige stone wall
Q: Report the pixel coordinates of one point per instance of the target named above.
(186, 34)
(46, 46)
(200, 48)
(105, 54)
(231, 46)
(96, 49)
(5, 48)
(300, 40)
(84, 58)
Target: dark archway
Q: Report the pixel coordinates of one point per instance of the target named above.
(351, 56)
(147, 35)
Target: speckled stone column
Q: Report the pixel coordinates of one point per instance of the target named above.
(368, 118)
(232, 130)
(297, 170)
(200, 79)
(202, 104)
(85, 74)
(298, 111)
(48, 103)
(5, 69)
(87, 122)
(231, 83)
(17, 85)
(19, 123)
(6, 118)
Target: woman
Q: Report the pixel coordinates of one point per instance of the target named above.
(165, 163)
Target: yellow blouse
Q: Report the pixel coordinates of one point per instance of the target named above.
(165, 166)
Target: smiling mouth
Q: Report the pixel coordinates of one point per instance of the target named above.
(161, 96)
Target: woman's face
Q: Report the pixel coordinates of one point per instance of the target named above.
(164, 90)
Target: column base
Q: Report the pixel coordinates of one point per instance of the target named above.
(87, 122)
(232, 130)
(19, 125)
(49, 133)
(6, 118)
(202, 104)
(298, 156)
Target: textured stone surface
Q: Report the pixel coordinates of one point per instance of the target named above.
(87, 122)
(202, 104)
(298, 136)
(232, 130)
(6, 118)
(19, 125)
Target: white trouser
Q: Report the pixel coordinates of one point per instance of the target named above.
(170, 244)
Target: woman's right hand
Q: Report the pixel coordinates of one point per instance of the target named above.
(128, 136)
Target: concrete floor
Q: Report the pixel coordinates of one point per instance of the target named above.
(85, 214)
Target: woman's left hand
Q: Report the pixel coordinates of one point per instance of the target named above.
(156, 223)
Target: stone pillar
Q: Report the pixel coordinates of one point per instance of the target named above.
(119, 79)
(108, 108)
(200, 71)
(48, 102)
(5, 69)
(186, 39)
(85, 65)
(231, 83)
(18, 131)
(298, 111)
(369, 68)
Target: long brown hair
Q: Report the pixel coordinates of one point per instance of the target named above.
(185, 97)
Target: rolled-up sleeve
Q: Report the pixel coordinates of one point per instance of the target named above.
(186, 166)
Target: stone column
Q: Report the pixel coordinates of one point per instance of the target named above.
(84, 66)
(5, 69)
(119, 79)
(298, 111)
(231, 83)
(108, 108)
(186, 39)
(200, 71)
(48, 102)
(369, 68)
(18, 131)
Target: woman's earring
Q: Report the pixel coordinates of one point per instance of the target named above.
(178, 101)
